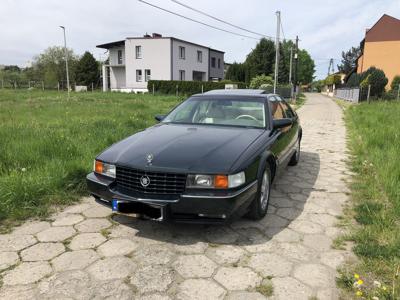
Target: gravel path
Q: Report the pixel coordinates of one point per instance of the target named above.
(86, 252)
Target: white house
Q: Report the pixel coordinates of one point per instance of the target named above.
(136, 60)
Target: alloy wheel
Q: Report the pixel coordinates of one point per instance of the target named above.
(264, 196)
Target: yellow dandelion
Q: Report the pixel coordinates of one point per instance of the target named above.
(359, 294)
(360, 282)
(384, 288)
(356, 276)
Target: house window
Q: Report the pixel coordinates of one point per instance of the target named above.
(181, 52)
(199, 56)
(213, 62)
(138, 75)
(219, 63)
(181, 75)
(147, 75)
(138, 51)
(120, 57)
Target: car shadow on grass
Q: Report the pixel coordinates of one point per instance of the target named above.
(289, 194)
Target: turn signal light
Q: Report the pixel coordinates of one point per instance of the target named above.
(221, 181)
(98, 166)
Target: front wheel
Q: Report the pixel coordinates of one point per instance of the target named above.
(259, 206)
(296, 156)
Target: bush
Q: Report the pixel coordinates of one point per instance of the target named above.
(259, 80)
(377, 79)
(390, 95)
(395, 83)
(188, 87)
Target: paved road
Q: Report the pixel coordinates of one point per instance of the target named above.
(85, 252)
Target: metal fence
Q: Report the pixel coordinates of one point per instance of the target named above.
(349, 94)
(42, 85)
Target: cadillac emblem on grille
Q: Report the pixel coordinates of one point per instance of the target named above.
(149, 158)
(144, 180)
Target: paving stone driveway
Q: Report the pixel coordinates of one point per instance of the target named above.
(85, 252)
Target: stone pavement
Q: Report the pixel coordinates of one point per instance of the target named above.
(86, 252)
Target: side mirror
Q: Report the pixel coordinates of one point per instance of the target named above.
(281, 123)
(159, 118)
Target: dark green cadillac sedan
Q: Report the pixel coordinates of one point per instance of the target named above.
(211, 159)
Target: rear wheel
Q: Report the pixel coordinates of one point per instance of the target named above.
(259, 206)
(296, 156)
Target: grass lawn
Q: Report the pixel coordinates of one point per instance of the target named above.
(374, 140)
(48, 143)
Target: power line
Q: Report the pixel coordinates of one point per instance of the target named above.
(220, 20)
(196, 21)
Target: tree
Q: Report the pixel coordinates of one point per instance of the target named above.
(11, 75)
(87, 70)
(284, 61)
(349, 59)
(395, 83)
(318, 85)
(236, 72)
(258, 81)
(353, 81)
(261, 59)
(333, 79)
(50, 65)
(305, 67)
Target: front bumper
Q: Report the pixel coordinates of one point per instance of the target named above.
(196, 206)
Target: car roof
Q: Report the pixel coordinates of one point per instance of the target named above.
(236, 92)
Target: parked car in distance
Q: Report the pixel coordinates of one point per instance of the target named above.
(211, 159)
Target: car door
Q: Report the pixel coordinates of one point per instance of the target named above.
(281, 144)
(292, 131)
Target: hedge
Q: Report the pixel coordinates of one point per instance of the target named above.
(188, 87)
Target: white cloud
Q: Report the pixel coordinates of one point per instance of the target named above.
(325, 28)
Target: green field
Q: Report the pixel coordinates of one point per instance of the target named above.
(374, 132)
(48, 143)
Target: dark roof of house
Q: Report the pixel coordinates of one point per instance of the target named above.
(112, 44)
(387, 28)
(120, 43)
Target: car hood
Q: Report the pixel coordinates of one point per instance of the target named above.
(183, 148)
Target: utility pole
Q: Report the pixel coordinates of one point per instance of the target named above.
(296, 59)
(290, 65)
(278, 31)
(66, 58)
(330, 65)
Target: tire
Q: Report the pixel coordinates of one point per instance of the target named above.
(294, 160)
(259, 206)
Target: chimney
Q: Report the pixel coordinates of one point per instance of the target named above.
(156, 35)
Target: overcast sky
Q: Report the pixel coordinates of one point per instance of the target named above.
(325, 28)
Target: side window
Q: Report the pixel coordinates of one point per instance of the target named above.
(138, 51)
(181, 52)
(213, 62)
(288, 111)
(276, 110)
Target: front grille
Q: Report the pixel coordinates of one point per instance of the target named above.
(160, 183)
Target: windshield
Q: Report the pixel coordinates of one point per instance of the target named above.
(233, 112)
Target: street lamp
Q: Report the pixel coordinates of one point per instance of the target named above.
(66, 58)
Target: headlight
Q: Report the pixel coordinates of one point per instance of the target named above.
(236, 179)
(104, 168)
(215, 181)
